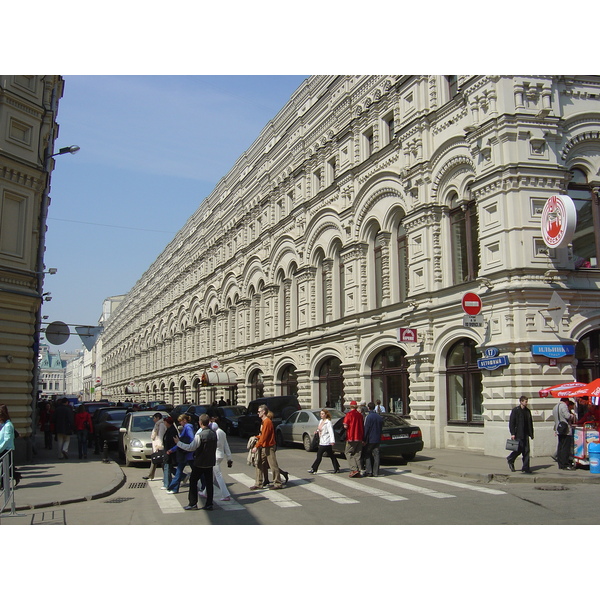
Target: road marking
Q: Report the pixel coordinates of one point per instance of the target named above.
(361, 487)
(458, 484)
(325, 492)
(414, 488)
(274, 496)
(229, 504)
(168, 503)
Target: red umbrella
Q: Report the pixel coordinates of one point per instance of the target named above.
(564, 390)
(589, 389)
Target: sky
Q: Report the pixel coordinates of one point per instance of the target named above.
(152, 148)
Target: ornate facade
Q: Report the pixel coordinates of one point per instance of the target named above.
(28, 107)
(372, 204)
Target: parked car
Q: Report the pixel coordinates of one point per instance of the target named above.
(300, 427)
(92, 407)
(281, 407)
(106, 422)
(229, 418)
(135, 444)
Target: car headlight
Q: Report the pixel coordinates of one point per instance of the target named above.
(136, 444)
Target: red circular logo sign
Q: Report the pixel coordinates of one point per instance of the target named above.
(559, 218)
(471, 303)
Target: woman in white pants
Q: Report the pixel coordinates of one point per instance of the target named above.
(223, 452)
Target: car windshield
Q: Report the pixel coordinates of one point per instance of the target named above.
(116, 415)
(233, 411)
(142, 423)
(390, 420)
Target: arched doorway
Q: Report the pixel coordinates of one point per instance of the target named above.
(289, 381)
(464, 384)
(390, 380)
(331, 384)
(587, 353)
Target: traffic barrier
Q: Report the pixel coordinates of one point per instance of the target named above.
(7, 481)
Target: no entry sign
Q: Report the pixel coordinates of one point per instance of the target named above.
(471, 303)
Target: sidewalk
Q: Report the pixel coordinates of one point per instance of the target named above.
(49, 481)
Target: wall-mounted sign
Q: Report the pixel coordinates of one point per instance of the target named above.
(491, 352)
(471, 303)
(553, 350)
(473, 320)
(559, 218)
(407, 335)
(493, 363)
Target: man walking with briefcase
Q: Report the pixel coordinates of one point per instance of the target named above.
(520, 425)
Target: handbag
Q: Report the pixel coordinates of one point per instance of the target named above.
(562, 428)
(512, 445)
(158, 457)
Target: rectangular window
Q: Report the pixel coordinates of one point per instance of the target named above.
(402, 266)
(368, 143)
(388, 129)
(317, 180)
(465, 246)
(378, 276)
(332, 167)
(12, 225)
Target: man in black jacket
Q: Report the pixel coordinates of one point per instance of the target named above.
(521, 429)
(204, 446)
(64, 426)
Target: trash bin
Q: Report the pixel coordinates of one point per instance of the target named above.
(594, 454)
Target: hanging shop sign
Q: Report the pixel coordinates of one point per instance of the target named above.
(407, 335)
(559, 219)
(552, 350)
(493, 363)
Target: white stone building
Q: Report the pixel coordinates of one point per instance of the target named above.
(372, 204)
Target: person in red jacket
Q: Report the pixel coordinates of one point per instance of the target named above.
(354, 426)
(83, 428)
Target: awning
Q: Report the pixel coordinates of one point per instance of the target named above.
(222, 378)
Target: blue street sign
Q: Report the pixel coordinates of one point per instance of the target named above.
(493, 363)
(552, 350)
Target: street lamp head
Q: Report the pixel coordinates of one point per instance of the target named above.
(67, 150)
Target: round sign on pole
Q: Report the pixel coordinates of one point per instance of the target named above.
(471, 303)
(57, 333)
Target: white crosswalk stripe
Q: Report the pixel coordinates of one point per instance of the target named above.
(274, 496)
(322, 491)
(458, 484)
(168, 503)
(414, 488)
(361, 487)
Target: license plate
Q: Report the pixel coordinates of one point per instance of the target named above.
(400, 436)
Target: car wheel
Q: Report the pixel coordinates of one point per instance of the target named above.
(307, 442)
(279, 439)
(409, 455)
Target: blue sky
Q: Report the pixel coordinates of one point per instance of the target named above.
(152, 148)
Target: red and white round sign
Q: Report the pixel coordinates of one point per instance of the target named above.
(559, 219)
(471, 303)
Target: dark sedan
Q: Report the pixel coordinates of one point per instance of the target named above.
(107, 422)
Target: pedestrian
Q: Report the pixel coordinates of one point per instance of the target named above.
(47, 425)
(562, 429)
(223, 452)
(204, 448)
(64, 425)
(265, 450)
(156, 437)
(183, 457)
(372, 438)
(170, 462)
(7, 440)
(378, 408)
(354, 426)
(362, 407)
(326, 442)
(83, 427)
(520, 424)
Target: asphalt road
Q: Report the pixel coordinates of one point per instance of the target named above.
(397, 497)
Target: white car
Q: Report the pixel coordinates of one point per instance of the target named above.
(135, 445)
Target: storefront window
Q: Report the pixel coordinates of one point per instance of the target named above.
(390, 381)
(331, 384)
(464, 384)
(585, 240)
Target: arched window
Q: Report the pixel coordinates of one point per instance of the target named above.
(586, 241)
(289, 381)
(464, 384)
(378, 270)
(587, 353)
(182, 396)
(331, 384)
(390, 380)
(402, 264)
(464, 240)
(256, 386)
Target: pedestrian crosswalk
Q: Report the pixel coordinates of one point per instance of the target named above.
(337, 488)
